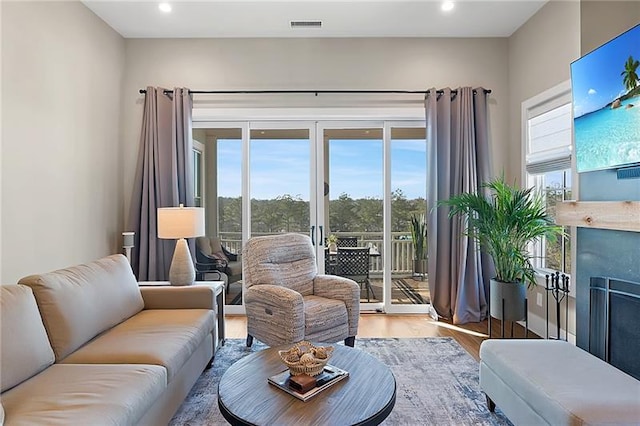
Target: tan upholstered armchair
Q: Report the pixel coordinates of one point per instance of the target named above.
(287, 301)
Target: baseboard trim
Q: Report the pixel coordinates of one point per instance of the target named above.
(538, 325)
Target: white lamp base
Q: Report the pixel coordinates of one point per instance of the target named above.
(182, 271)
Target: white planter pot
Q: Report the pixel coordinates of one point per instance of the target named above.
(420, 266)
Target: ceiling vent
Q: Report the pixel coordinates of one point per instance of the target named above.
(305, 24)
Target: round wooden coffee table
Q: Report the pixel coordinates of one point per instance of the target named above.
(366, 397)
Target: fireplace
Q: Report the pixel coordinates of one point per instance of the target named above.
(607, 269)
(614, 323)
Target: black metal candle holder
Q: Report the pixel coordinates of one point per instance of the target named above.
(558, 285)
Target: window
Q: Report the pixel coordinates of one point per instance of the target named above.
(556, 188)
(198, 173)
(547, 131)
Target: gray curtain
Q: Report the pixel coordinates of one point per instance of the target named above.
(164, 178)
(458, 161)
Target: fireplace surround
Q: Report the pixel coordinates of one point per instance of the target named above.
(614, 315)
(608, 277)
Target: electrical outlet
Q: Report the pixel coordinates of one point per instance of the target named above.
(539, 299)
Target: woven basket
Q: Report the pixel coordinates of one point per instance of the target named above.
(312, 368)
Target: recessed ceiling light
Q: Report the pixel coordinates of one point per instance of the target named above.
(165, 7)
(447, 6)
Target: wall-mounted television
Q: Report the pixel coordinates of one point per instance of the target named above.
(605, 85)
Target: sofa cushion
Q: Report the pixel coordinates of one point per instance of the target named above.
(67, 394)
(79, 302)
(161, 337)
(25, 348)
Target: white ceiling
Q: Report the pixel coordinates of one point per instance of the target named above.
(355, 18)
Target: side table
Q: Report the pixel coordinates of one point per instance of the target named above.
(218, 287)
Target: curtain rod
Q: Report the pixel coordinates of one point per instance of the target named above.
(316, 92)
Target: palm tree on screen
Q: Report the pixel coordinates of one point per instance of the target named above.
(629, 75)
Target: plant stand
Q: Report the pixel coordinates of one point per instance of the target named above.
(558, 286)
(502, 321)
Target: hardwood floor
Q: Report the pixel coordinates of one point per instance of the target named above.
(470, 336)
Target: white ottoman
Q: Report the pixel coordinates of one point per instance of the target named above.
(539, 382)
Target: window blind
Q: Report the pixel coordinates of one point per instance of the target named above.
(549, 140)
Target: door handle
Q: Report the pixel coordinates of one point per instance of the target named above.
(313, 231)
(321, 238)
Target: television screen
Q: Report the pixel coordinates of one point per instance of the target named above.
(605, 85)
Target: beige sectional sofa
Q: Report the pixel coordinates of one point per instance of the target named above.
(87, 346)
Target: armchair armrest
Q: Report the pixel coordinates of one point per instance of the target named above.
(212, 261)
(274, 313)
(230, 255)
(274, 296)
(344, 289)
(187, 297)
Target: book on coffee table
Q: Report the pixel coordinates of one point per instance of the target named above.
(329, 377)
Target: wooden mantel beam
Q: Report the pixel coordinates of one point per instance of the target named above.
(617, 215)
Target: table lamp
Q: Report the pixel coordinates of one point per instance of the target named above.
(180, 223)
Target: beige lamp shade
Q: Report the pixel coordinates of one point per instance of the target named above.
(180, 222)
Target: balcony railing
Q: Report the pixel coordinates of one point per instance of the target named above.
(401, 249)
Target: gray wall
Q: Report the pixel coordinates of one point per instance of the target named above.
(600, 21)
(61, 167)
(262, 64)
(539, 56)
(540, 53)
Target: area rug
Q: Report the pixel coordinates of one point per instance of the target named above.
(436, 379)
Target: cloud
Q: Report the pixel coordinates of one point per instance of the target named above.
(592, 91)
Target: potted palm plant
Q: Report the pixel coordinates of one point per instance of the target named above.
(504, 222)
(419, 239)
(332, 241)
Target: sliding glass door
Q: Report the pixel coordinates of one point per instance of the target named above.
(408, 208)
(374, 175)
(352, 173)
(280, 178)
(220, 189)
(357, 183)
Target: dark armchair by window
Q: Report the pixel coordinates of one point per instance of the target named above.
(353, 263)
(212, 256)
(347, 242)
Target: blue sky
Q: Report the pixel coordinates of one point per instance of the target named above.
(596, 79)
(282, 167)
